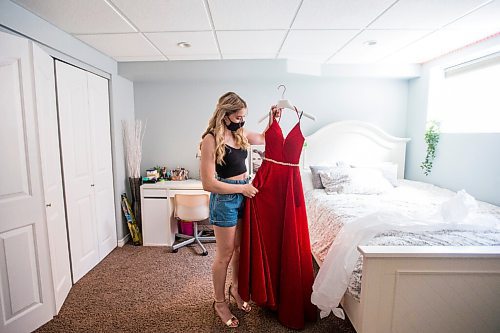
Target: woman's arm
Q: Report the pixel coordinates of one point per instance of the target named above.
(207, 172)
(259, 138)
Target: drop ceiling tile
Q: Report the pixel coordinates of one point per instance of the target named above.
(387, 42)
(202, 43)
(78, 17)
(424, 14)
(165, 15)
(252, 15)
(250, 44)
(486, 18)
(121, 45)
(340, 14)
(311, 45)
(439, 43)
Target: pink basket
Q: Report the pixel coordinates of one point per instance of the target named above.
(186, 228)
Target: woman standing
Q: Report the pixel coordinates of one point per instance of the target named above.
(224, 149)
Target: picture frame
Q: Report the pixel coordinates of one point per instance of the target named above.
(255, 158)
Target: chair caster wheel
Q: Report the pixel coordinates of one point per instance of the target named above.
(175, 251)
(205, 253)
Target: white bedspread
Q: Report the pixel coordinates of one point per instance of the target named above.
(351, 220)
(327, 214)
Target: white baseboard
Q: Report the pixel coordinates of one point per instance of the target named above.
(124, 240)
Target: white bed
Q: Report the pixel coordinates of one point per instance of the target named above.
(404, 288)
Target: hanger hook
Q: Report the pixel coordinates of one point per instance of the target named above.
(284, 89)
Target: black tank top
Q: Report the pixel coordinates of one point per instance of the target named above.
(234, 163)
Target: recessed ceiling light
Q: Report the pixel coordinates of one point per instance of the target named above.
(183, 45)
(370, 42)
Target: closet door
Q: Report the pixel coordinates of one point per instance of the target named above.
(74, 126)
(26, 296)
(102, 168)
(48, 129)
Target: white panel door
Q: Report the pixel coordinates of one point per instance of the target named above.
(26, 295)
(74, 124)
(102, 163)
(48, 129)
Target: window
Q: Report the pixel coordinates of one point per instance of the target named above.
(466, 98)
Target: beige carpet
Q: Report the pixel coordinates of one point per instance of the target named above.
(148, 289)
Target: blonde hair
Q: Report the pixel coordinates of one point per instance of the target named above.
(228, 104)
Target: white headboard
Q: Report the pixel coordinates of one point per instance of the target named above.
(354, 142)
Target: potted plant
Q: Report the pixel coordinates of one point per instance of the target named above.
(431, 139)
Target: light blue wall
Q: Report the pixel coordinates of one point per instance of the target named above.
(122, 105)
(61, 45)
(464, 161)
(177, 112)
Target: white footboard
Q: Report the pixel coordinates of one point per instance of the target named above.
(427, 289)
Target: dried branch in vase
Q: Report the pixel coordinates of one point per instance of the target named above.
(133, 133)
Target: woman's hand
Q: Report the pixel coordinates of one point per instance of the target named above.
(248, 190)
(275, 112)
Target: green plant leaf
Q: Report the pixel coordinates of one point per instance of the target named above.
(431, 138)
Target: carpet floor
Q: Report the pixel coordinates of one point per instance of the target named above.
(148, 289)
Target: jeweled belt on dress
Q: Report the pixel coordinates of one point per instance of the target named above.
(278, 162)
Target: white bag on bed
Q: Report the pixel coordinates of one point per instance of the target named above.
(458, 208)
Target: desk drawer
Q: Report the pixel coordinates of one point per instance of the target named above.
(154, 193)
(172, 193)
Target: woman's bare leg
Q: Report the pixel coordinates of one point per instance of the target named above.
(224, 249)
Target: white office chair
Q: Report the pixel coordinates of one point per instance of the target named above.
(192, 207)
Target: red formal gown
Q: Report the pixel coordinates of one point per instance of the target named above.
(276, 269)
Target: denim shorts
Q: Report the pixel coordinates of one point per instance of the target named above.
(226, 209)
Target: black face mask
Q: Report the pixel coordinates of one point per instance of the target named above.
(234, 126)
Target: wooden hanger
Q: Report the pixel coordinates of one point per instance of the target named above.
(286, 104)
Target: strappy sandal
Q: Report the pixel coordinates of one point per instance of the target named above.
(245, 306)
(231, 322)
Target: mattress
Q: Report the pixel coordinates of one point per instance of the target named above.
(327, 214)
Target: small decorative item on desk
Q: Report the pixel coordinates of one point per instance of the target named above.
(152, 173)
(180, 174)
(149, 180)
(152, 176)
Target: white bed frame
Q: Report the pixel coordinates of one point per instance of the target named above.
(406, 288)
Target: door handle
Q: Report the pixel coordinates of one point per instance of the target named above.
(92, 185)
(48, 205)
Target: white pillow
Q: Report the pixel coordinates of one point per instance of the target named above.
(389, 170)
(334, 179)
(354, 181)
(315, 169)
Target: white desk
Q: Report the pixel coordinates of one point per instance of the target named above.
(157, 205)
